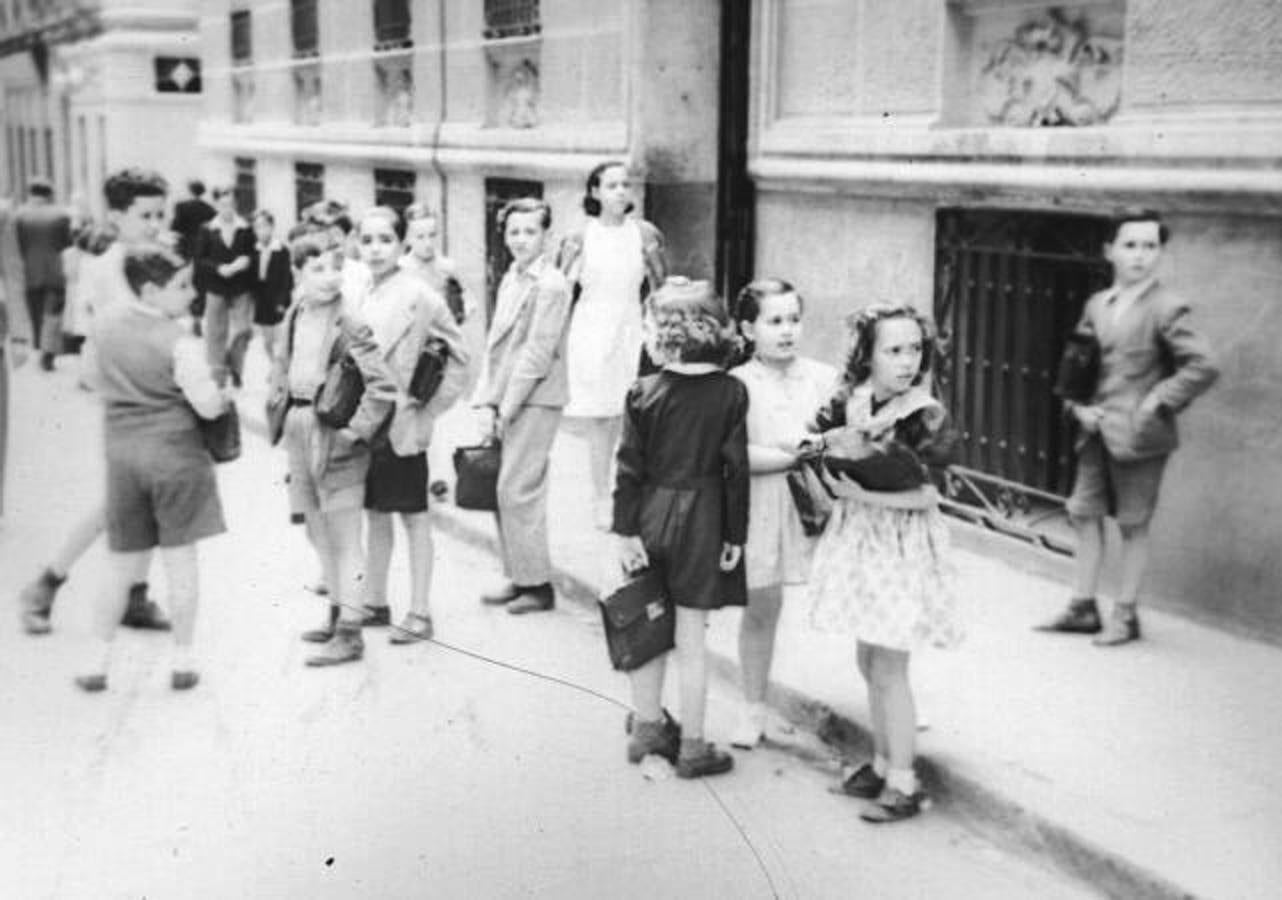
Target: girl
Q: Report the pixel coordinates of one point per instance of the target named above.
(273, 282)
(327, 468)
(880, 568)
(614, 262)
(681, 503)
(784, 391)
(520, 397)
(404, 314)
(161, 488)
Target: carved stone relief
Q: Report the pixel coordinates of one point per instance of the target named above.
(396, 91)
(521, 96)
(307, 95)
(1058, 67)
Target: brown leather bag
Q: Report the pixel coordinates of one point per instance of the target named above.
(477, 468)
(339, 395)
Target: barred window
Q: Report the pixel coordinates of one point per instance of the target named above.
(304, 28)
(392, 25)
(309, 185)
(242, 39)
(394, 188)
(246, 189)
(511, 18)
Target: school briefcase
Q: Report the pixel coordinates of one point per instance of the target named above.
(429, 371)
(339, 395)
(477, 468)
(1078, 374)
(640, 622)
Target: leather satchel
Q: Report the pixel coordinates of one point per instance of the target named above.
(339, 395)
(810, 497)
(222, 435)
(429, 371)
(1079, 365)
(639, 619)
(477, 468)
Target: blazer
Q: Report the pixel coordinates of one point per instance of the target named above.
(343, 335)
(420, 313)
(569, 256)
(272, 291)
(44, 231)
(1152, 348)
(189, 215)
(211, 252)
(525, 348)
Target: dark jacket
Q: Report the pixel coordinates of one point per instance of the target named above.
(211, 252)
(273, 286)
(189, 215)
(44, 231)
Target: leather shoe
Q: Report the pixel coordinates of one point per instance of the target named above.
(377, 616)
(345, 646)
(893, 805)
(183, 679)
(500, 596)
(142, 613)
(865, 783)
(413, 629)
(539, 598)
(91, 684)
(1081, 617)
(325, 632)
(1122, 628)
(36, 601)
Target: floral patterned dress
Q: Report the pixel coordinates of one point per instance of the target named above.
(880, 572)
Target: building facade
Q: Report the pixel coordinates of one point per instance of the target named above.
(89, 86)
(961, 155)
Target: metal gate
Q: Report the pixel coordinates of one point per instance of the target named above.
(1009, 287)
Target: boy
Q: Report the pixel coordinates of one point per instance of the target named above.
(1152, 365)
(136, 208)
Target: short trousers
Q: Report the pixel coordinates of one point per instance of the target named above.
(161, 491)
(396, 483)
(343, 484)
(1103, 486)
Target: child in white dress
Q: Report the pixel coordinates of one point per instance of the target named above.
(785, 391)
(881, 570)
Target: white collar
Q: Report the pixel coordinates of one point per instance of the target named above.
(692, 368)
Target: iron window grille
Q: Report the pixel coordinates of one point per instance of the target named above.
(304, 28)
(392, 25)
(511, 18)
(394, 188)
(309, 185)
(242, 39)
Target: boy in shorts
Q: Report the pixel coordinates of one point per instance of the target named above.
(1153, 363)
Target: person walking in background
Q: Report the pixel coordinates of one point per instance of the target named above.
(44, 231)
(404, 314)
(520, 396)
(612, 262)
(1152, 364)
(785, 390)
(681, 505)
(190, 215)
(881, 569)
(222, 256)
(273, 279)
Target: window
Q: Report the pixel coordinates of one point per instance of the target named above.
(242, 40)
(392, 25)
(309, 185)
(511, 18)
(246, 186)
(304, 28)
(394, 188)
(177, 74)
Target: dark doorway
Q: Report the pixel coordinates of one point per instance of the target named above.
(1009, 288)
(736, 199)
(498, 191)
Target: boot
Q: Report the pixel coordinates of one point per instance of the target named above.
(325, 632)
(662, 738)
(1081, 617)
(699, 758)
(345, 646)
(36, 601)
(142, 613)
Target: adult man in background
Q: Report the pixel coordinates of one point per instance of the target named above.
(44, 231)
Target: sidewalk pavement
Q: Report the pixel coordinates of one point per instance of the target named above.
(1149, 770)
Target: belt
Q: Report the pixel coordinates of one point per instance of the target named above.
(299, 401)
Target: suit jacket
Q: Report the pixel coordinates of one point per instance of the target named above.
(274, 290)
(44, 231)
(212, 251)
(1151, 348)
(343, 335)
(418, 313)
(525, 348)
(189, 215)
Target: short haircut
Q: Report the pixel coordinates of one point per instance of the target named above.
(221, 191)
(151, 264)
(40, 187)
(416, 211)
(864, 325)
(526, 205)
(196, 187)
(591, 205)
(698, 328)
(309, 245)
(263, 214)
(122, 188)
(387, 214)
(1136, 214)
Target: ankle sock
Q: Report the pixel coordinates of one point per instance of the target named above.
(902, 780)
(692, 747)
(99, 656)
(880, 766)
(182, 659)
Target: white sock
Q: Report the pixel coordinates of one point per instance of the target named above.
(880, 766)
(99, 656)
(182, 659)
(902, 780)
